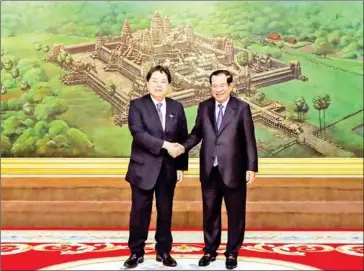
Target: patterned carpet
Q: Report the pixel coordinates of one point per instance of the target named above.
(97, 249)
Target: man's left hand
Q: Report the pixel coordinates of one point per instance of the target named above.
(179, 175)
(250, 177)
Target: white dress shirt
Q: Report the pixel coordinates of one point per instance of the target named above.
(163, 110)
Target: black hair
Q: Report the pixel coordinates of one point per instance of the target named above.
(161, 69)
(227, 73)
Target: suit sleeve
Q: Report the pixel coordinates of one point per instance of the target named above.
(142, 137)
(251, 144)
(182, 160)
(196, 134)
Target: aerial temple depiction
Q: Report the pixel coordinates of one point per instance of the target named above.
(191, 58)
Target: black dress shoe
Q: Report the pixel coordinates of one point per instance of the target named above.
(133, 261)
(206, 259)
(166, 259)
(231, 262)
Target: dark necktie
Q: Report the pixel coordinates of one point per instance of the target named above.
(159, 105)
(219, 116)
(218, 124)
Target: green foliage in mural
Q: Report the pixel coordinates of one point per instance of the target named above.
(43, 117)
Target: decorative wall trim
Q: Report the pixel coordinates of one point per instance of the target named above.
(118, 166)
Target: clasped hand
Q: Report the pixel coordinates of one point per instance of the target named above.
(174, 149)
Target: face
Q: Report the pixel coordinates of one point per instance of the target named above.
(157, 85)
(220, 88)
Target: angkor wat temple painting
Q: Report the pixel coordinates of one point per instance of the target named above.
(69, 74)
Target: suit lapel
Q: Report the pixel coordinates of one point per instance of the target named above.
(170, 114)
(229, 113)
(152, 113)
(211, 112)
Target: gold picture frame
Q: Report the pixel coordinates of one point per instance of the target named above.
(345, 167)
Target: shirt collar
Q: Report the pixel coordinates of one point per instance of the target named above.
(163, 102)
(224, 103)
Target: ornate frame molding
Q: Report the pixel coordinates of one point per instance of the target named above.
(324, 167)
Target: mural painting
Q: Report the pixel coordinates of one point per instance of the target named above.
(70, 69)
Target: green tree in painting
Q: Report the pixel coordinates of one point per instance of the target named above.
(6, 145)
(64, 58)
(37, 47)
(69, 59)
(259, 96)
(325, 103)
(12, 127)
(317, 105)
(8, 64)
(243, 59)
(322, 103)
(4, 89)
(28, 123)
(322, 47)
(46, 48)
(57, 127)
(39, 91)
(28, 108)
(25, 144)
(110, 88)
(15, 72)
(24, 85)
(300, 107)
(14, 104)
(50, 107)
(304, 110)
(62, 141)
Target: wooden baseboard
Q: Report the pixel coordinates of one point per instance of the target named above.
(185, 214)
(117, 189)
(104, 201)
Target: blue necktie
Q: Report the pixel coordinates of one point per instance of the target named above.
(159, 105)
(218, 124)
(219, 116)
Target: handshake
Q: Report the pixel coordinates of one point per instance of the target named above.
(174, 149)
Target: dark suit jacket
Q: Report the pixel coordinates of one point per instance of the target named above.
(147, 154)
(234, 144)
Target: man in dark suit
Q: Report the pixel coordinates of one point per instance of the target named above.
(155, 121)
(228, 161)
